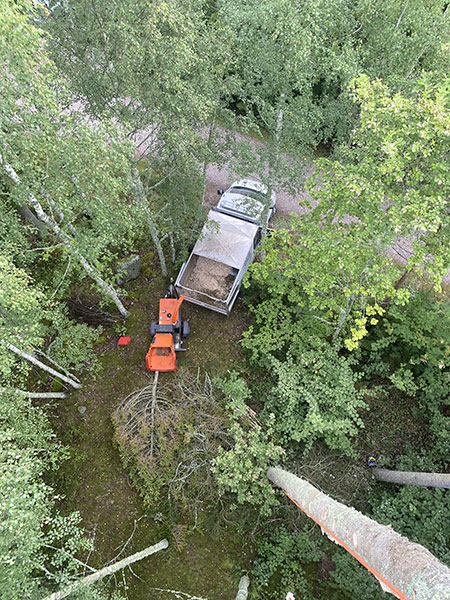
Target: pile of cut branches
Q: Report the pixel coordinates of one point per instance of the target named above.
(167, 435)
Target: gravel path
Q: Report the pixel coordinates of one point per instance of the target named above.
(223, 177)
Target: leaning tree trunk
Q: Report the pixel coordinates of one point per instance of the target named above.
(32, 395)
(403, 568)
(139, 194)
(107, 571)
(243, 588)
(441, 480)
(65, 239)
(32, 359)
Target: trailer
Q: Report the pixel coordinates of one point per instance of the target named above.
(213, 274)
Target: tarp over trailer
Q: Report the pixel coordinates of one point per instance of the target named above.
(229, 242)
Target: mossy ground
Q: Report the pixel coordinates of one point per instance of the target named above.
(208, 561)
(94, 481)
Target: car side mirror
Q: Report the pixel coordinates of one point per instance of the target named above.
(220, 192)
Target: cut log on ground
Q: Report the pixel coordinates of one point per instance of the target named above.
(407, 570)
(440, 480)
(107, 571)
(243, 588)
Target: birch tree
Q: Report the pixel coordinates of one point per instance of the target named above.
(338, 263)
(69, 173)
(145, 65)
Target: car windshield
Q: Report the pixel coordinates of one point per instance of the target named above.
(248, 192)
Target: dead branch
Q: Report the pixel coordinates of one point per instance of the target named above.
(102, 573)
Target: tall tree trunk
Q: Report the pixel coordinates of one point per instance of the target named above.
(31, 395)
(30, 217)
(208, 146)
(121, 564)
(403, 568)
(273, 167)
(139, 194)
(343, 317)
(32, 359)
(58, 211)
(243, 588)
(107, 289)
(441, 480)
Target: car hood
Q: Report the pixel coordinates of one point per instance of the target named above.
(238, 203)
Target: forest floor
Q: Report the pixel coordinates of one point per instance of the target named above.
(205, 562)
(94, 481)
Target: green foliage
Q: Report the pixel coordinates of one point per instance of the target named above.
(351, 578)
(37, 545)
(391, 182)
(73, 344)
(280, 565)
(315, 398)
(415, 337)
(22, 309)
(410, 348)
(334, 262)
(242, 469)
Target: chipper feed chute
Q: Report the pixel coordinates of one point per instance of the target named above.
(167, 335)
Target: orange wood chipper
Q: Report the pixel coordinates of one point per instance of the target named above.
(167, 334)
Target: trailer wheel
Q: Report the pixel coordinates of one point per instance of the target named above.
(186, 329)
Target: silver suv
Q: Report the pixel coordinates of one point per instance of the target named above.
(248, 199)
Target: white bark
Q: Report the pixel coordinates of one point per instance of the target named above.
(441, 480)
(32, 359)
(121, 564)
(243, 588)
(29, 216)
(401, 14)
(58, 211)
(139, 194)
(273, 166)
(65, 239)
(40, 395)
(343, 317)
(68, 373)
(403, 568)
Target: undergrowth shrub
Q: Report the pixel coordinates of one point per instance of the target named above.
(410, 350)
(280, 565)
(38, 544)
(241, 469)
(315, 397)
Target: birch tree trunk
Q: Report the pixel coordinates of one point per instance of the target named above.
(403, 568)
(139, 194)
(273, 167)
(343, 317)
(441, 480)
(243, 588)
(39, 395)
(208, 146)
(121, 564)
(107, 289)
(29, 216)
(32, 359)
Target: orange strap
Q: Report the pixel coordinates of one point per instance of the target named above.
(393, 589)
